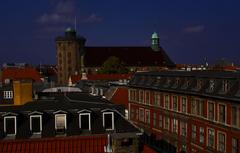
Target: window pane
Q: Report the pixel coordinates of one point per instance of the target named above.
(10, 126)
(60, 122)
(84, 122)
(35, 124)
(108, 121)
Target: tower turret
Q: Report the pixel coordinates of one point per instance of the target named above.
(155, 41)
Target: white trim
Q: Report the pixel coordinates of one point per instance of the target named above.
(225, 112)
(65, 118)
(35, 112)
(214, 115)
(214, 136)
(84, 110)
(15, 125)
(105, 113)
(89, 120)
(60, 112)
(36, 116)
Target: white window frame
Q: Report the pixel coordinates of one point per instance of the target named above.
(173, 102)
(225, 112)
(39, 116)
(145, 117)
(104, 113)
(8, 94)
(186, 104)
(147, 99)
(214, 115)
(15, 125)
(65, 118)
(89, 120)
(225, 138)
(140, 117)
(214, 136)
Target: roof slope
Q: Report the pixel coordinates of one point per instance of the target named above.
(131, 56)
(27, 73)
(86, 144)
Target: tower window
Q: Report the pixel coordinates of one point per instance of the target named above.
(8, 94)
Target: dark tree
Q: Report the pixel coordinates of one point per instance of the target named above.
(113, 65)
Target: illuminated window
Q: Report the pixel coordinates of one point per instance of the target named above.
(8, 94)
(60, 123)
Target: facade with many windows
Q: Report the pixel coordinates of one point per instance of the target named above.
(192, 111)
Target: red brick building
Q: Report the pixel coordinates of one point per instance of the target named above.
(188, 111)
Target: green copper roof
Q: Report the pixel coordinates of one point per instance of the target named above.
(69, 30)
(154, 35)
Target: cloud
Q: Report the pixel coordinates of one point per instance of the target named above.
(194, 29)
(92, 18)
(62, 13)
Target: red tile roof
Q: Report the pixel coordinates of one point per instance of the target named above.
(21, 74)
(147, 149)
(76, 78)
(83, 144)
(121, 96)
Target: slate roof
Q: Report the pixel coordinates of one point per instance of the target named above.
(131, 56)
(70, 103)
(159, 81)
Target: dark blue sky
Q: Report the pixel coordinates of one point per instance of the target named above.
(188, 30)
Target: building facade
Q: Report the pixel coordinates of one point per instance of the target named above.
(68, 117)
(188, 111)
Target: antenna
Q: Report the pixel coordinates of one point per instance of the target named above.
(75, 23)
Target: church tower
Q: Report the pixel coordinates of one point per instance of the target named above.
(155, 42)
(69, 52)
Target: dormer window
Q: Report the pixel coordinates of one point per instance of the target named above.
(211, 85)
(8, 94)
(108, 120)
(225, 86)
(10, 126)
(199, 84)
(85, 120)
(177, 81)
(60, 122)
(36, 123)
